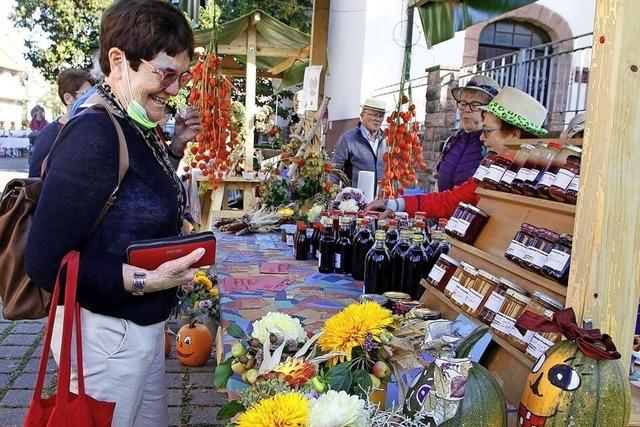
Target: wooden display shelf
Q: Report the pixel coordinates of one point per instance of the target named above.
(503, 267)
(531, 202)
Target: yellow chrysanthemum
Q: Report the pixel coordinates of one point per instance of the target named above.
(214, 292)
(203, 280)
(282, 410)
(348, 328)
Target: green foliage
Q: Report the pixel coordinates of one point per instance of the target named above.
(209, 15)
(296, 14)
(70, 28)
(222, 374)
(262, 390)
(276, 193)
(235, 331)
(340, 377)
(230, 410)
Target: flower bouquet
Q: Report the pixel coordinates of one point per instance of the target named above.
(349, 200)
(200, 299)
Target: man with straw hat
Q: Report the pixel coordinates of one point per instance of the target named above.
(361, 149)
(512, 114)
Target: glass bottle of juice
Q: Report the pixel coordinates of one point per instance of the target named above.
(413, 267)
(315, 240)
(397, 254)
(344, 248)
(326, 260)
(377, 267)
(392, 235)
(361, 245)
(439, 245)
(301, 243)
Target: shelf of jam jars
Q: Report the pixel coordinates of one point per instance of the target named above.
(503, 267)
(531, 202)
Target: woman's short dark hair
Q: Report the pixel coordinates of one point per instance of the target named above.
(143, 29)
(523, 133)
(71, 80)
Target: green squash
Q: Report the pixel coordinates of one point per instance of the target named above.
(567, 388)
(483, 404)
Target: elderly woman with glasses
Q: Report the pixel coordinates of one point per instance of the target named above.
(145, 50)
(512, 114)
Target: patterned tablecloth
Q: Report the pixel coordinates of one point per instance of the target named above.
(312, 297)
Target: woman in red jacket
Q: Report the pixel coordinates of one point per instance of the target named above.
(511, 114)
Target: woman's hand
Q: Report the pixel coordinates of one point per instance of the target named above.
(168, 275)
(379, 206)
(186, 129)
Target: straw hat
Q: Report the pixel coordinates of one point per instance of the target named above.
(518, 109)
(478, 83)
(375, 105)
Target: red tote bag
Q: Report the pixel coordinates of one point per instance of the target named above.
(65, 408)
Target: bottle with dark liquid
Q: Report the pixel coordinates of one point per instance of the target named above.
(361, 245)
(414, 265)
(397, 254)
(420, 225)
(439, 245)
(392, 235)
(377, 267)
(344, 248)
(326, 261)
(315, 240)
(335, 217)
(301, 243)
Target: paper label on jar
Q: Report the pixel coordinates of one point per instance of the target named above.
(495, 173)
(503, 323)
(575, 182)
(535, 256)
(547, 179)
(508, 177)
(452, 285)
(495, 301)
(557, 260)
(481, 172)
(474, 298)
(462, 226)
(338, 261)
(290, 239)
(538, 346)
(523, 174)
(437, 273)
(533, 174)
(460, 294)
(525, 338)
(451, 224)
(564, 178)
(516, 249)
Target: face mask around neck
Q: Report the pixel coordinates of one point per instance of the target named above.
(135, 110)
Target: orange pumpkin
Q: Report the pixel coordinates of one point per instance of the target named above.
(167, 343)
(193, 344)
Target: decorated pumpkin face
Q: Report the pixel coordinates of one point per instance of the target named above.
(567, 388)
(193, 345)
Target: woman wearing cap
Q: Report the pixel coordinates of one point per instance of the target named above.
(511, 114)
(464, 151)
(361, 149)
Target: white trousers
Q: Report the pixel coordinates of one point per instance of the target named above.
(123, 362)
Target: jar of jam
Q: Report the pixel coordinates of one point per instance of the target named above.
(482, 170)
(564, 178)
(462, 222)
(479, 292)
(395, 298)
(425, 314)
(542, 304)
(442, 271)
(542, 341)
(451, 223)
(380, 299)
(456, 279)
(537, 170)
(496, 299)
(539, 249)
(469, 275)
(403, 219)
(496, 171)
(529, 163)
(518, 246)
(572, 192)
(514, 305)
(556, 267)
(469, 229)
(557, 164)
(420, 216)
(518, 162)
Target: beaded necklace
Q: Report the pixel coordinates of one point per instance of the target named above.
(154, 143)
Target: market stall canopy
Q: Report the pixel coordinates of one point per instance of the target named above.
(281, 51)
(442, 18)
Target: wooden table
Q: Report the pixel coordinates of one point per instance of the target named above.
(215, 205)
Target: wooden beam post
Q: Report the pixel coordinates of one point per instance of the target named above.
(319, 37)
(604, 284)
(250, 92)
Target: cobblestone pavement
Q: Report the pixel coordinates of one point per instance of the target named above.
(192, 399)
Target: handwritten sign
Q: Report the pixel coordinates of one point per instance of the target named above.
(260, 283)
(275, 267)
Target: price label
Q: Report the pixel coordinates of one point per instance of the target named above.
(462, 226)
(452, 285)
(460, 294)
(437, 273)
(523, 174)
(533, 174)
(338, 261)
(503, 323)
(538, 346)
(564, 178)
(525, 338)
(516, 249)
(535, 256)
(557, 260)
(290, 239)
(548, 179)
(495, 301)
(481, 172)
(575, 183)
(495, 173)
(474, 298)
(451, 224)
(508, 177)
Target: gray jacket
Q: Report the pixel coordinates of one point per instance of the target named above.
(354, 154)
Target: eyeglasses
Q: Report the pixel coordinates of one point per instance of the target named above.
(474, 105)
(379, 116)
(167, 78)
(487, 131)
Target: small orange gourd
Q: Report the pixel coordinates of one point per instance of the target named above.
(194, 344)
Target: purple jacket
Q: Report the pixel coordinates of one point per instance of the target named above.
(460, 158)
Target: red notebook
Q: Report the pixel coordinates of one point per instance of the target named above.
(150, 254)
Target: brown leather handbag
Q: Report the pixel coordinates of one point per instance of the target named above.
(22, 299)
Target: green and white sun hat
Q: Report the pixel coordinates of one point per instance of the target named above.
(518, 109)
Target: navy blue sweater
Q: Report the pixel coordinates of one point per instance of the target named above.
(81, 175)
(42, 146)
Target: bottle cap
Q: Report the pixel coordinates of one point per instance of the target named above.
(416, 238)
(380, 235)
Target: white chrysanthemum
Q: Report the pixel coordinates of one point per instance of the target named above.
(313, 214)
(337, 409)
(279, 324)
(348, 206)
